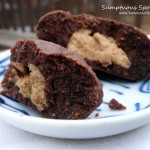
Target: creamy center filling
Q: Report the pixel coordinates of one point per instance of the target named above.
(98, 48)
(32, 85)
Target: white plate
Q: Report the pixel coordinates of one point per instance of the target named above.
(134, 95)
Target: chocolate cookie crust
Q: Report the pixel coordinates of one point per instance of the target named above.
(71, 89)
(59, 26)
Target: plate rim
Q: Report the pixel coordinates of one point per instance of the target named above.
(5, 114)
(76, 129)
(123, 117)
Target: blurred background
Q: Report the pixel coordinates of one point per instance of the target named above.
(18, 18)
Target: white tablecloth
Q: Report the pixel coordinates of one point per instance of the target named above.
(12, 138)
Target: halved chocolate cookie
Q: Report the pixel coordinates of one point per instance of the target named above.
(108, 46)
(52, 80)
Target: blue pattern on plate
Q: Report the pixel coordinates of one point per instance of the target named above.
(137, 106)
(3, 65)
(3, 104)
(115, 83)
(97, 109)
(120, 90)
(4, 59)
(11, 98)
(145, 86)
(106, 103)
(147, 106)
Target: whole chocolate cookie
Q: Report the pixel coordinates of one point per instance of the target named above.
(51, 80)
(108, 46)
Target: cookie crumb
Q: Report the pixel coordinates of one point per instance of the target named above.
(96, 115)
(115, 105)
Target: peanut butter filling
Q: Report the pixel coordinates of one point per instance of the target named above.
(32, 85)
(98, 48)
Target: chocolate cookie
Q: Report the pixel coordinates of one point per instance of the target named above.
(51, 80)
(108, 46)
